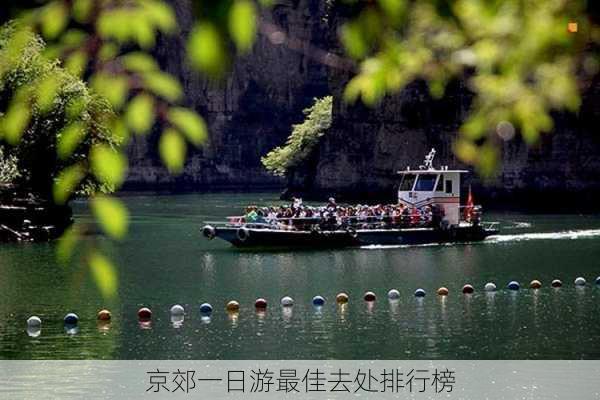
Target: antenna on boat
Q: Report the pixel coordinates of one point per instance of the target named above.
(428, 163)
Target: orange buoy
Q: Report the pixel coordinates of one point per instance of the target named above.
(144, 314)
(104, 315)
(443, 291)
(468, 289)
(341, 298)
(233, 306)
(535, 284)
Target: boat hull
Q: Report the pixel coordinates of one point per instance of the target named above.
(267, 238)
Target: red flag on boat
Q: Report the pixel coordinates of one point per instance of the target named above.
(470, 206)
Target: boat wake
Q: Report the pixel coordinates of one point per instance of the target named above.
(562, 235)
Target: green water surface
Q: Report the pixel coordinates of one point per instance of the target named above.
(165, 261)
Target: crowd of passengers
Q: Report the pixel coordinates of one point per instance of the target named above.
(334, 216)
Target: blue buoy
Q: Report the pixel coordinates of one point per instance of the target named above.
(318, 300)
(513, 285)
(393, 294)
(420, 293)
(71, 319)
(490, 287)
(580, 281)
(206, 309)
(598, 280)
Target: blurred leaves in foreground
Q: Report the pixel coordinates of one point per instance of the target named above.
(521, 59)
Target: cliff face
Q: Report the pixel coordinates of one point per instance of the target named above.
(249, 113)
(359, 156)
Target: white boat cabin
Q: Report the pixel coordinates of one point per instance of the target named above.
(428, 186)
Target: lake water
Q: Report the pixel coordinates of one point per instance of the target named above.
(165, 260)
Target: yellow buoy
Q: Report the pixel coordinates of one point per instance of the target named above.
(104, 315)
(233, 306)
(341, 298)
(443, 291)
(535, 284)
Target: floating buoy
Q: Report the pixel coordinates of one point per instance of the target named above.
(420, 292)
(369, 296)
(580, 281)
(34, 322)
(318, 300)
(556, 283)
(260, 303)
(104, 315)
(535, 284)
(144, 314)
(233, 306)
(341, 298)
(443, 291)
(205, 308)
(177, 309)
(598, 280)
(287, 301)
(34, 331)
(71, 319)
(468, 289)
(513, 285)
(393, 294)
(490, 287)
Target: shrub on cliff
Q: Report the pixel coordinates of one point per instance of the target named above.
(53, 120)
(303, 139)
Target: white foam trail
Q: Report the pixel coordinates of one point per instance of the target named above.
(570, 235)
(562, 235)
(519, 225)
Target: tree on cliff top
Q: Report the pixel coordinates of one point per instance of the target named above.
(303, 139)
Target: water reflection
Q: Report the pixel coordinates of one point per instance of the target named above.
(71, 329)
(233, 317)
(177, 321)
(103, 327)
(34, 331)
(145, 325)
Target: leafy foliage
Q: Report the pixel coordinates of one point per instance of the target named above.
(519, 58)
(8, 168)
(44, 132)
(303, 139)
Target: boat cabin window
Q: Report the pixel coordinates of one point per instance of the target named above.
(425, 182)
(448, 186)
(407, 182)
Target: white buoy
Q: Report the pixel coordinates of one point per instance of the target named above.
(580, 281)
(393, 294)
(177, 310)
(490, 287)
(287, 301)
(34, 322)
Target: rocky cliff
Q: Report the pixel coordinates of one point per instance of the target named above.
(250, 112)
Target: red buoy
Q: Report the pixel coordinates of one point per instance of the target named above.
(468, 289)
(260, 303)
(144, 314)
(369, 296)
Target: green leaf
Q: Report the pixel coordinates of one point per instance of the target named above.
(108, 165)
(46, 93)
(172, 149)
(242, 24)
(67, 182)
(163, 85)
(111, 214)
(54, 19)
(161, 14)
(104, 274)
(113, 87)
(139, 62)
(190, 123)
(66, 244)
(69, 138)
(14, 122)
(142, 31)
(353, 40)
(206, 50)
(82, 10)
(140, 113)
(76, 63)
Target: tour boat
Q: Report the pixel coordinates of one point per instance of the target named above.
(426, 188)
